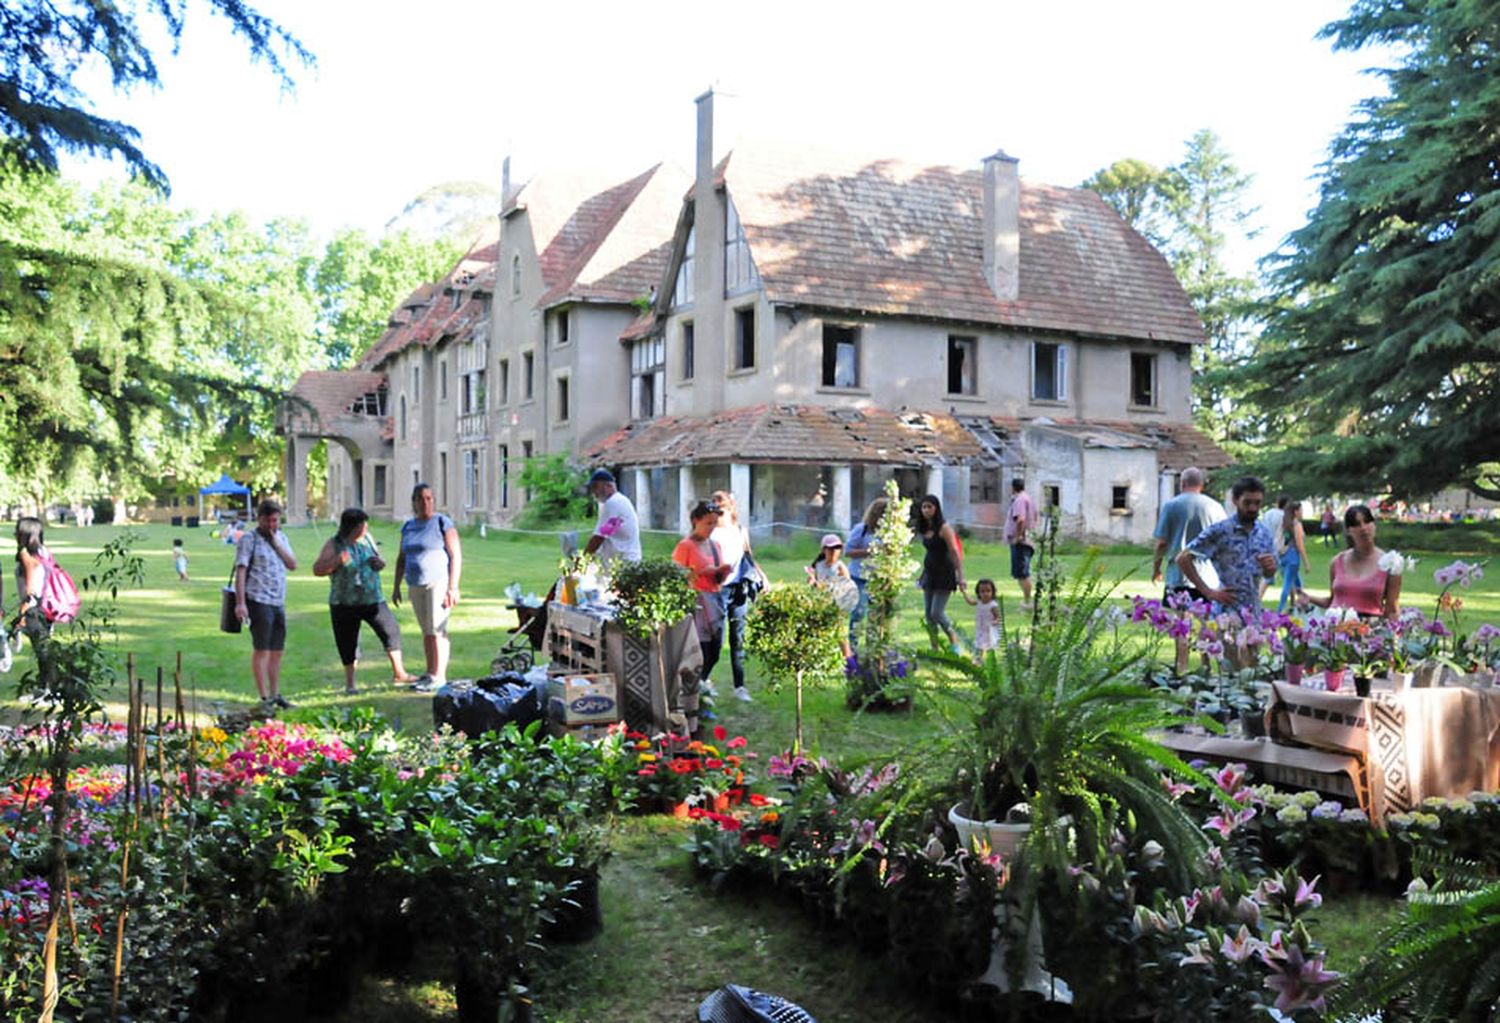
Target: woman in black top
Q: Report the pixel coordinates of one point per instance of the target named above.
(942, 570)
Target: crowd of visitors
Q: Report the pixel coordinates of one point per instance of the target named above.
(1201, 553)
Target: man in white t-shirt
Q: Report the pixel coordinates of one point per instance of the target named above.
(618, 534)
(1272, 521)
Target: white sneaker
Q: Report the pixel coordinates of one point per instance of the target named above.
(743, 695)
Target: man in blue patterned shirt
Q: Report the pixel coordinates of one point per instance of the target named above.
(1241, 549)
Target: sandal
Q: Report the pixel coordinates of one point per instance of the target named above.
(403, 680)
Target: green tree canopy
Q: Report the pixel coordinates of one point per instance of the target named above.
(1383, 344)
(1187, 211)
(45, 45)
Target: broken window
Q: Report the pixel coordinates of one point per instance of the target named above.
(1049, 372)
(1120, 498)
(562, 399)
(739, 268)
(528, 367)
(744, 338)
(648, 371)
(840, 355)
(1143, 379)
(688, 355)
(961, 352)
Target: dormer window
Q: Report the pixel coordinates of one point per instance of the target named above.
(1143, 392)
(648, 378)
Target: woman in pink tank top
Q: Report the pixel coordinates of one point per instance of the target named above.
(1355, 577)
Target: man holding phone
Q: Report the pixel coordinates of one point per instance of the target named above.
(1241, 549)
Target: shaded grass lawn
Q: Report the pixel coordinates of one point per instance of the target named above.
(667, 941)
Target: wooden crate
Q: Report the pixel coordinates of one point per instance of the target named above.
(575, 641)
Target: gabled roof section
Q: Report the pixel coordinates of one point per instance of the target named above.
(327, 394)
(614, 247)
(429, 313)
(890, 237)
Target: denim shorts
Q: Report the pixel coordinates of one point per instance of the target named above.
(1020, 560)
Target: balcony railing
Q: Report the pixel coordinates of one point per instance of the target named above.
(474, 426)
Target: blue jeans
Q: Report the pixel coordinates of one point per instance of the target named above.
(860, 613)
(736, 607)
(1291, 575)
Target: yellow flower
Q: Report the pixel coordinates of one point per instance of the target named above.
(647, 758)
(214, 735)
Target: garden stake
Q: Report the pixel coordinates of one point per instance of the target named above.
(161, 737)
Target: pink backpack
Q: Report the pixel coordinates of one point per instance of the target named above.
(60, 601)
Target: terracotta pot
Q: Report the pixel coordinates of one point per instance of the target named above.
(1294, 673)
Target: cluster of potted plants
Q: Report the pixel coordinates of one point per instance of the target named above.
(677, 774)
(1012, 853)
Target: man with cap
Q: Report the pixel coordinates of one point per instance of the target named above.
(618, 534)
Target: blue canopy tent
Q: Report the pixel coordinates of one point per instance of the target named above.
(224, 485)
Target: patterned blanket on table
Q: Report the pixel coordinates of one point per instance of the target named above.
(1417, 743)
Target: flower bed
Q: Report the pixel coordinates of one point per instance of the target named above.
(251, 875)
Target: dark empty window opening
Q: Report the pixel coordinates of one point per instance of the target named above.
(1143, 379)
(562, 399)
(961, 364)
(1048, 372)
(1051, 496)
(1120, 498)
(562, 327)
(744, 338)
(688, 355)
(840, 355)
(528, 367)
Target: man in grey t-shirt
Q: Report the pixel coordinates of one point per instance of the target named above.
(262, 559)
(1182, 519)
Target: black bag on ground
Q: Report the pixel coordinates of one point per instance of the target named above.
(734, 1003)
(476, 709)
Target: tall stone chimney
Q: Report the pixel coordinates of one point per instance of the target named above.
(506, 194)
(1002, 225)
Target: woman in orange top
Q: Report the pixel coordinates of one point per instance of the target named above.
(707, 570)
(1355, 578)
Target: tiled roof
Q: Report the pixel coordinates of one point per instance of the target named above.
(615, 245)
(328, 393)
(816, 434)
(427, 315)
(896, 238)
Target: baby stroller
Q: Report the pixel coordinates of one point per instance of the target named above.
(518, 653)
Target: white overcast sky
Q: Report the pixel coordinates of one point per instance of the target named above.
(406, 95)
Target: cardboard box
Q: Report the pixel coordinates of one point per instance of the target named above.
(577, 699)
(583, 733)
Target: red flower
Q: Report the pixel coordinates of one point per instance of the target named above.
(769, 841)
(646, 772)
(737, 742)
(721, 733)
(713, 763)
(756, 799)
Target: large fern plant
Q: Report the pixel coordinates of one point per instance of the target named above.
(1059, 719)
(1441, 961)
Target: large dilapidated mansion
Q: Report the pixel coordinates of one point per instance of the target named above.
(795, 326)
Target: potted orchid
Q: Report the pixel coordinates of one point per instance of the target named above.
(1482, 652)
(1296, 649)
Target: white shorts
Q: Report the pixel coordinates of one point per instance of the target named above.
(427, 605)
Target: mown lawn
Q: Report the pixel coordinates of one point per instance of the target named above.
(667, 941)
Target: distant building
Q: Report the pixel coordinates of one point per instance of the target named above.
(797, 327)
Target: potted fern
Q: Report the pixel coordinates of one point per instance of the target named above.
(1052, 748)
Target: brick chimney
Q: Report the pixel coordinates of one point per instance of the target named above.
(1002, 225)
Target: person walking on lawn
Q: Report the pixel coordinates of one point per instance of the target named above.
(431, 562)
(262, 558)
(353, 564)
(1021, 520)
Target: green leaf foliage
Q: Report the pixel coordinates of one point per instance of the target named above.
(651, 594)
(48, 45)
(1381, 348)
